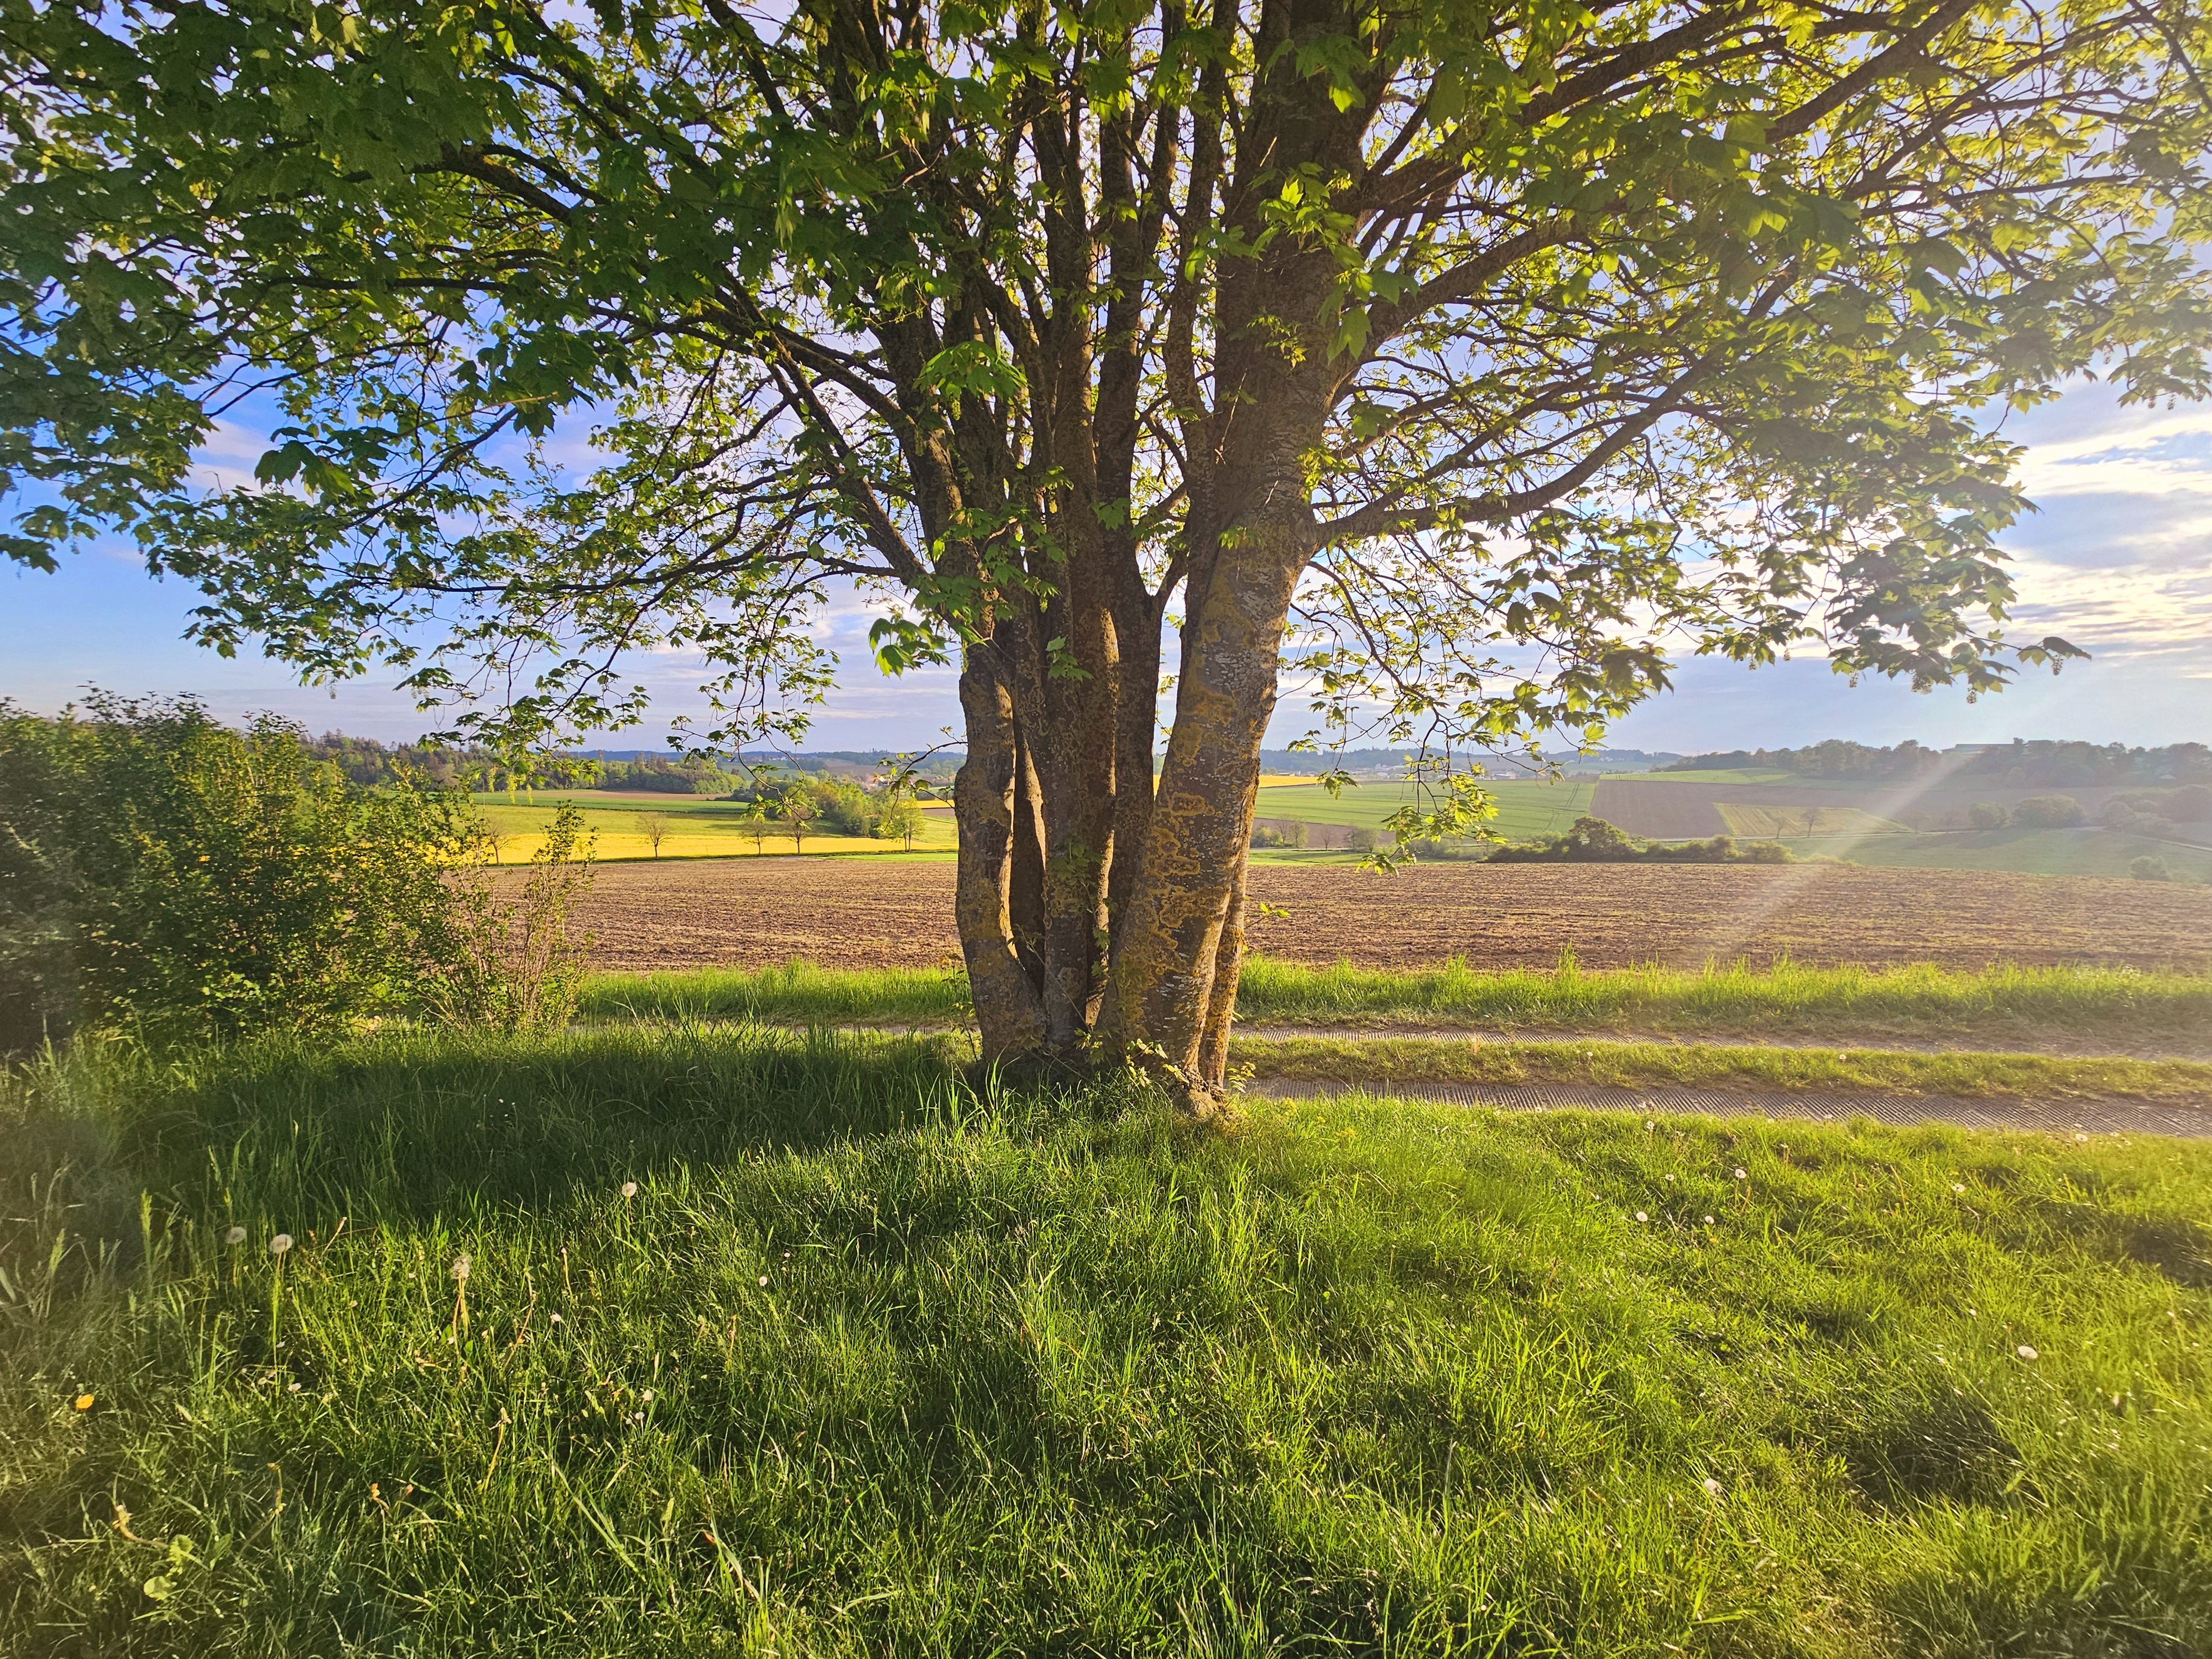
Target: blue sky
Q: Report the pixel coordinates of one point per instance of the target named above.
(2117, 559)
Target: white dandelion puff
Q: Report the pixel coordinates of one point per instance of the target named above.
(2027, 1352)
(461, 1269)
(1709, 1221)
(280, 1243)
(235, 1236)
(1715, 1487)
(629, 1189)
(1640, 1216)
(763, 1279)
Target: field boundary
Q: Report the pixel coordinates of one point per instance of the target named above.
(1899, 1111)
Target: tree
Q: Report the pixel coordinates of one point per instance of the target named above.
(901, 821)
(1469, 360)
(653, 826)
(798, 807)
(755, 820)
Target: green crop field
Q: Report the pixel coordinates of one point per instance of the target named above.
(1525, 810)
(2033, 851)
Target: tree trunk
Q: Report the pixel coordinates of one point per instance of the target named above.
(1181, 940)
(1008, 1012)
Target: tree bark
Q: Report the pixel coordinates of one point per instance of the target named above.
(1008, 1013)
(1174, 986)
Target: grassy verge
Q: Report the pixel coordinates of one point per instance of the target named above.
(798, 992)
(2026, 1008)
(1378, 1063)
(869, 1364)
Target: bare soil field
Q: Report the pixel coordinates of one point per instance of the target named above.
(842, 913)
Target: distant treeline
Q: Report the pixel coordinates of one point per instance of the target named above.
(1393, 761)
(367, 761)
(2020, 764)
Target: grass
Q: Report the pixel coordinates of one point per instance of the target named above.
(873, 1364)
(2025, 1008)
(1380, 1062)
(2030, 852)
(1525, 810)
(1766, 823)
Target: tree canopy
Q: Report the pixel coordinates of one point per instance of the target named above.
(1475, 356)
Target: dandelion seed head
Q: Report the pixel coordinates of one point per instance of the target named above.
(1957, 1186)
(280, 1243)
(461, 1269)
(1714, 1486)
(235, 1236)
(1709, 1221)
(1640, 1216)
(763, 1279)
(556, 1319)
(647, 1396)
(2078, 1136)
(1740, 1176)
(2027, 1352)
(629, 1189)
(291, 1388)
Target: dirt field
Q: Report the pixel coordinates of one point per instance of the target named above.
(847, 913)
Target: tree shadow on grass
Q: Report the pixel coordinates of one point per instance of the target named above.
(413, 1125)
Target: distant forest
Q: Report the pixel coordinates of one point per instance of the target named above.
(2021, 762)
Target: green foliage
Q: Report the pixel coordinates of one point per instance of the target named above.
(513, 963)
(870, 1363)
(162, 873)
(1987, 815)
(2149, 868)
(2049, 813)
(1594, 840)
(900, 820)
(1782, 272)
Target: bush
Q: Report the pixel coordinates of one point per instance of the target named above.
(162, 874)
(2190, 805)
(2049, 813)
(514, 966)
(1595, 841)
(1360, 839)
(2149, 869)
(1987, 815)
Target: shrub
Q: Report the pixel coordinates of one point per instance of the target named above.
(2190, 805)
(163, 872)
(1987, 815)
(2049, 813)
(2148, 869)
(1360, 839)
(165, 875)
(514, 966)
(1590, 840)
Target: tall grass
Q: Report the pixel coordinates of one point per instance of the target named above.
(872, 1363)
(2029, 1007)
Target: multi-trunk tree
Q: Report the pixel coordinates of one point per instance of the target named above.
(1469, 357)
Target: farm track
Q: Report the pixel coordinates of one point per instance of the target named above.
(846, 914)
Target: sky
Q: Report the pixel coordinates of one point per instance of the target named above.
(2118, 559)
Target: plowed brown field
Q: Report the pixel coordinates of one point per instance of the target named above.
(845, 912)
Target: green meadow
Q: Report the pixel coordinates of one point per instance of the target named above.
(670, 1340)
